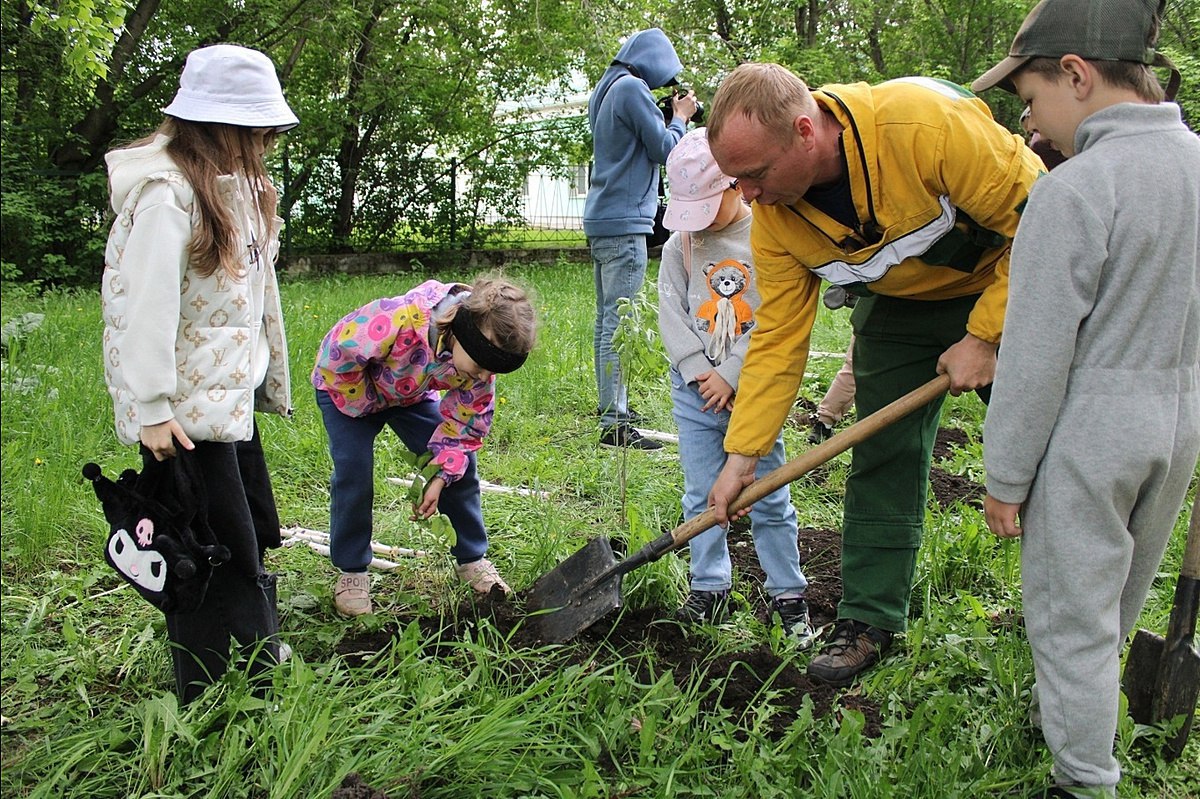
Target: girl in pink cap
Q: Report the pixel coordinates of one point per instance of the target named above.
(707, 300)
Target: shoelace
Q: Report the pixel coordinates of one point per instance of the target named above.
(844, 635)
(701, 603)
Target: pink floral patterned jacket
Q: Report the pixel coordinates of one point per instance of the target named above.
(390, 352)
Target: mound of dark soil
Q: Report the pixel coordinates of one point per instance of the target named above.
(651, 639)
(951, 488)
(354, 788)
(947, 488)
(948, 440)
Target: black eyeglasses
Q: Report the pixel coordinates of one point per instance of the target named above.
(733, 184)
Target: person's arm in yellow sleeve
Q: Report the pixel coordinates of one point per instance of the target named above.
(988, 172)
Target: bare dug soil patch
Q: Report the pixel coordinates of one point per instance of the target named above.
(946, 488)
(650, 638)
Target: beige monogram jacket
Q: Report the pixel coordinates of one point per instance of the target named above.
(207, 351)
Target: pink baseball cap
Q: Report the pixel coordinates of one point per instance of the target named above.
(697, 184)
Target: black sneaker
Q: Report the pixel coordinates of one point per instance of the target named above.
(631, 416)
(704, 607)
(624, 435)
(820, 432)
(852, 648)
(793, 617)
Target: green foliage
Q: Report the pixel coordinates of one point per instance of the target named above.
(424, 470)
(636, 339)
(49, 228)
(89, 26)
(409, 135)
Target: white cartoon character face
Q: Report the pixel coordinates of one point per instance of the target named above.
(145, 567)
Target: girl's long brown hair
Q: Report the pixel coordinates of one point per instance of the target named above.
(204, 151)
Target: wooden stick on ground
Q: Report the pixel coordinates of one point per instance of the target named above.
(318, 542)
(484, 485)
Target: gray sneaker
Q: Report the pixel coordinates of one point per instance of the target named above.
(793, 617)
(352, 594)
(704, 607)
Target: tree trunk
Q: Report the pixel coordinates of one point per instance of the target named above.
(90, 137)
(807, 12)
(352, 149)
(877, 58)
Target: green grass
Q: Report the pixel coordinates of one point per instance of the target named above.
(87, 698)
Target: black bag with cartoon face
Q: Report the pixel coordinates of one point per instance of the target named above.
(159, 538)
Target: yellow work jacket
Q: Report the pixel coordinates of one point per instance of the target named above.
(938, 187)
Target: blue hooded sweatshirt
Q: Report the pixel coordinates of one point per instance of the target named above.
(629, 137)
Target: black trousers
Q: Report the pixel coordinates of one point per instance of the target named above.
(240, 603)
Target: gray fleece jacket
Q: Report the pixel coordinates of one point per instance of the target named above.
(705, 314)
(1103, 315)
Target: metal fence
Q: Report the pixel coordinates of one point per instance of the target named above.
(547, 210)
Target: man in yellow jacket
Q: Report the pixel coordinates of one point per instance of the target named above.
(907, 194)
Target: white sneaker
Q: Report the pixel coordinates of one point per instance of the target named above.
(285, 653)
(482, 576)
(352, 594)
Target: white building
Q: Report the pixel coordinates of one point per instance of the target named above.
(552, 201)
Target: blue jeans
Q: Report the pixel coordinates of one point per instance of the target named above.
(619, 268)
(352, 486)
(773, 520)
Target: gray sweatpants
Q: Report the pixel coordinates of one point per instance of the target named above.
(1096, 524)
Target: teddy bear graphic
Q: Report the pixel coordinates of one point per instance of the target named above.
(726, 314)
(727, 281)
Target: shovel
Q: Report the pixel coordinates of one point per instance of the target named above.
(1162, 676)
(587, 586)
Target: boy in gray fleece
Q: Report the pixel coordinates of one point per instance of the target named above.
(1093, 430)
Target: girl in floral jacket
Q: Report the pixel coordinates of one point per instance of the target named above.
(424, 364)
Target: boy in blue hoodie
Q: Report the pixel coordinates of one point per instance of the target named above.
(630, 141)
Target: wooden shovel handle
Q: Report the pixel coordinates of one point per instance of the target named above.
(823, 452)
(1191, 551)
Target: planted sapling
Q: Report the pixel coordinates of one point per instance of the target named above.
(424, 470)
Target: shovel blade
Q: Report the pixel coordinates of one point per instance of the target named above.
(1176, 691)
(1161, 683)
(1141, 672)
(569, 598)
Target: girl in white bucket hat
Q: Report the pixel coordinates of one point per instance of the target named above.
(193, 330)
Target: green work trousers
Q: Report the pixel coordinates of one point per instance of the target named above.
(896, 348)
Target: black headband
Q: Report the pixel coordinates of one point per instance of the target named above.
(481, 350)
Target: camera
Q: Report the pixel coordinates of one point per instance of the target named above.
(664, 105)
(837, 297)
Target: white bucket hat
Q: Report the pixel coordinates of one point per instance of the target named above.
(233, 85)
